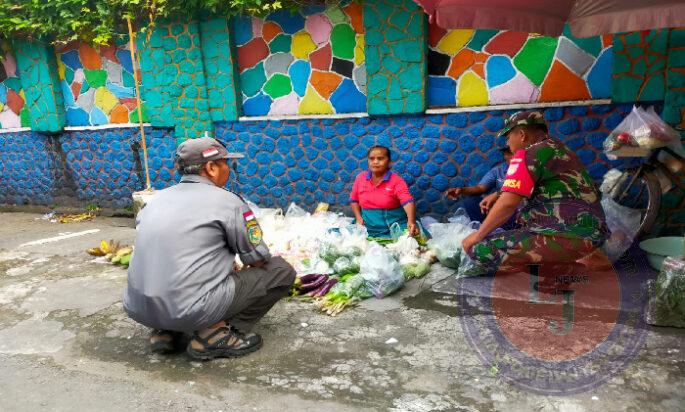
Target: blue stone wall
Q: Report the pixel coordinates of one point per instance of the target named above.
(79, 168)
(308, 161)
(305, 161)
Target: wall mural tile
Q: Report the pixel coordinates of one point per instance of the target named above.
(480, 67)
(311, 62)
(13, 114)
(97, 84)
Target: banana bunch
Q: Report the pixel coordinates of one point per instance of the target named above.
(113, 252)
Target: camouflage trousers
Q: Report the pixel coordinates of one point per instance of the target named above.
(513, 249)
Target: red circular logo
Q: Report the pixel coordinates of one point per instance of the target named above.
(557, 311)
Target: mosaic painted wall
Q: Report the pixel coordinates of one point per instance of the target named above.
(13, 114)
(674, 99)
(97, 84)
(481, 67)
(174, 85)
(37, 67)
(311, 62)
(396, 57)
(640, 66)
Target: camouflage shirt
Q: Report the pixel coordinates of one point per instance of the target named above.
(562, 198)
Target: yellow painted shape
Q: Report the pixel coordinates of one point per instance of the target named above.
(359, 55)
(455, 40)
(302, 45)
(472, 90)
(61, 69)
(105, 100)
(2, 107)
(312, 103)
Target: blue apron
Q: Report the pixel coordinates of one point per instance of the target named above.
(378, 221)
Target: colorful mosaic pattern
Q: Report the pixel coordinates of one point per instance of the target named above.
(311, 62)
(13, 114)
(97, 85)
(395, 57)
(640, 66)
(480, 67)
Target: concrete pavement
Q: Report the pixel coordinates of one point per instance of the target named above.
(65, 344)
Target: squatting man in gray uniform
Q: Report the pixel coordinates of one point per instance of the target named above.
(182, 279)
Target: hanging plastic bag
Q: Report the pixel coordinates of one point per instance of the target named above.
(623, 223)
(641, 128)
(381, 272)
(666, 305)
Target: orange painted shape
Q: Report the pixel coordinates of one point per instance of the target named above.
(270, 30)
(75, 89)
(482, 57)
(119, 115)
(89, 57)
(607, 40)
(354, 10)
(130, 103)
(460, 63)
(109, 52)
(325, 83)
(562, 84)
(479, 69)
(14, 101)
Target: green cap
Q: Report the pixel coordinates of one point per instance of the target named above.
(522, 118)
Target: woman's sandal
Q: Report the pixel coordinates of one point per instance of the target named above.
(232, 345)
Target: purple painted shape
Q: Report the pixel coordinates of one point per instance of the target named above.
(518, 90)
(319, 28)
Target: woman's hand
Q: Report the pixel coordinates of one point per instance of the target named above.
(487, 202)
(470, 240)
(360, 221)
(412, 228)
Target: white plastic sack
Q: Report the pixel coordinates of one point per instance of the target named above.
(446, 241)
(624, 223)
(641, 128)
(381, 272)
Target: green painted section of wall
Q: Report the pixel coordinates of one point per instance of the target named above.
(674, 101)
(640, 66)
(174, 84)
(39, 79)
(395, 57)
(219, 73)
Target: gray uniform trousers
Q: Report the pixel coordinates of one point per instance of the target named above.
(257, 290)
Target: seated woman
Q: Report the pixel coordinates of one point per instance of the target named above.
(381, 198)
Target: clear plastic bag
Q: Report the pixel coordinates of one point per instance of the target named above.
(381, 272)
(460, 216)
(641, 128)
(295, 211)
(624, 223)
(446, 241)
(666, 305)
(345, 265)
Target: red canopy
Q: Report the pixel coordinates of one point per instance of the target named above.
(586, 17)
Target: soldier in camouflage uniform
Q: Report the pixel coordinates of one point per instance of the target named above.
(562, 219)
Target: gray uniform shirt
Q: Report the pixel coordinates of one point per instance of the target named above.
(187, 236)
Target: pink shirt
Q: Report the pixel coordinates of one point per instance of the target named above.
(391, 193)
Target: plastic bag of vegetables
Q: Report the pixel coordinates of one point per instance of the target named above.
(345, 265)
(666, 306)
(381, 272)
(446, 241)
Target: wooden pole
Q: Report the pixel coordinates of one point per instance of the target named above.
(131, 38)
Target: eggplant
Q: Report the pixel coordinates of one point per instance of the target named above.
(323, 289)
(310, 278)
(306, 287)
